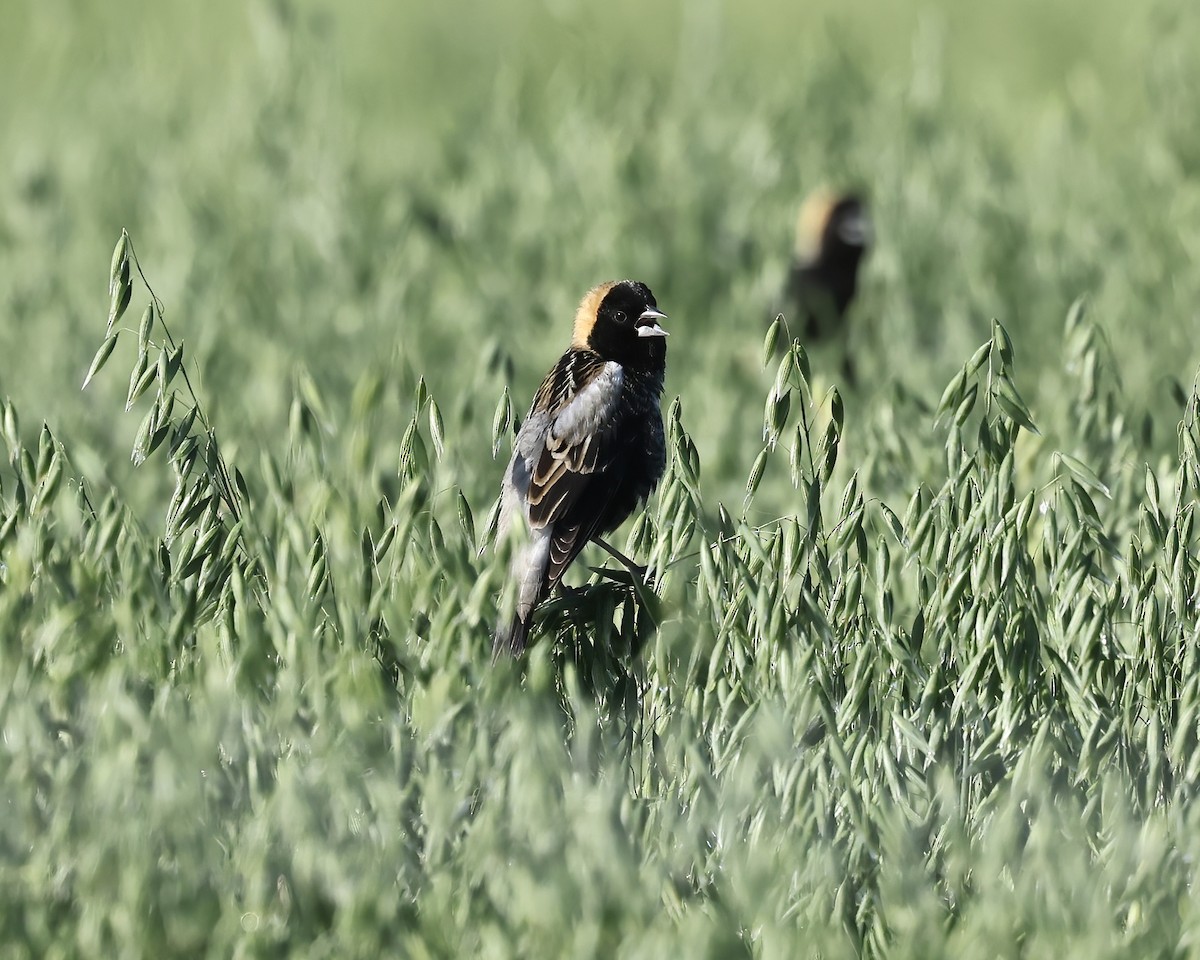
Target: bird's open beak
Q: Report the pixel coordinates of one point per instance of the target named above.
(647, 323)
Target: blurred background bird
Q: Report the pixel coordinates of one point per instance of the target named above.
(592, 447)
(833, 234)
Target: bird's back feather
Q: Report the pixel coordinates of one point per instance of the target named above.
(569, 476)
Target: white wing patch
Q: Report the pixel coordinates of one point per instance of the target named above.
(591, 408)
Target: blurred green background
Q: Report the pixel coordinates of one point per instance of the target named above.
(404, 66)
(976, 724)
(403, 187)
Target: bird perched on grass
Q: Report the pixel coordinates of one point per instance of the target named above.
(591, 448)
(833, 233)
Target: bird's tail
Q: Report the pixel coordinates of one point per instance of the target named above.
(528, 575)
(511, 639)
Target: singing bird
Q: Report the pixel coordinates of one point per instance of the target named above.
(592, 447)
(833, 234)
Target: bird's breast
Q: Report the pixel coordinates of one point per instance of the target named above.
(643, 430)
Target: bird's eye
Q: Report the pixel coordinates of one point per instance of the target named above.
(620, 317)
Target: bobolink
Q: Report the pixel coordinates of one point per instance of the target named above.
(833, 232)
(591, 448)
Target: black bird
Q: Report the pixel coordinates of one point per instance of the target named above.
(833, 233)
(592, 447)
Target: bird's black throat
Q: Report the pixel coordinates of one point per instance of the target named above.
(622, 345)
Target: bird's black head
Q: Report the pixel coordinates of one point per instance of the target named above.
(620, 321)
(833, 229)
(848, 229)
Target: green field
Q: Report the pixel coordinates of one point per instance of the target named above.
(917, 681)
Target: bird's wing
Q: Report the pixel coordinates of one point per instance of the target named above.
(581, 396)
